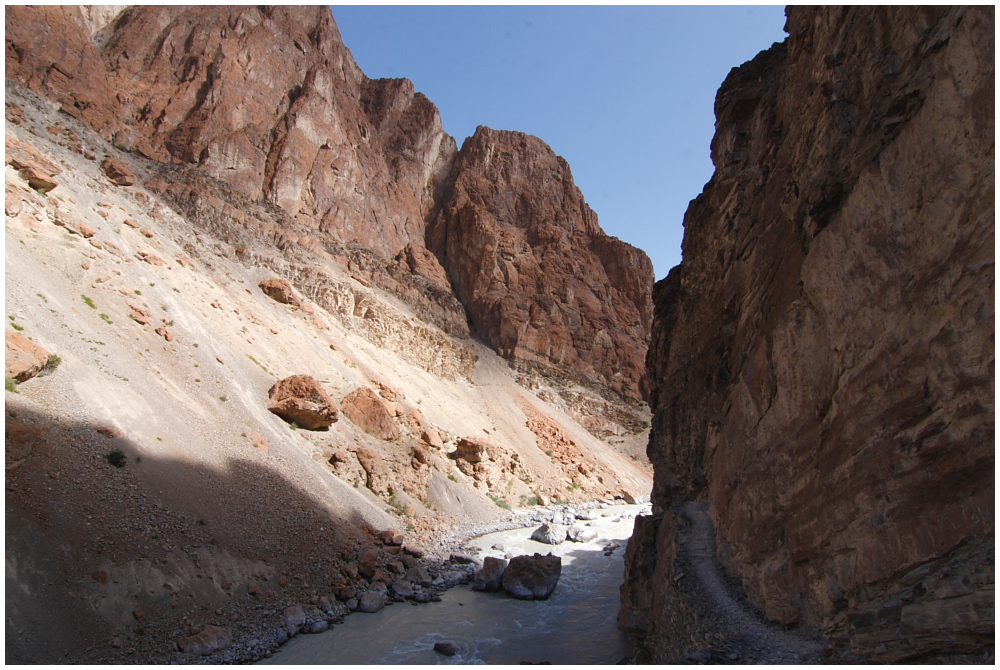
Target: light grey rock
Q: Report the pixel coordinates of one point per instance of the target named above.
(587, 515)
(352, 604)
(579, 533)
(371, 602)
(319, 626)
(549, 534)
(294, 619)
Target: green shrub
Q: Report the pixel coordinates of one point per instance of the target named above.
(88, 302)
(51, 363)
(116, 457)
(10, 384)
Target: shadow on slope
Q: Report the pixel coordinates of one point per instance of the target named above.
(107, 564)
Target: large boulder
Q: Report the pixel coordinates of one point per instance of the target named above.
(301, 399)
(208, 641)
(549, 533)
(279, 290)
(369, 413)
(23, 359)
(117, 172)
(490, 576)
(34, 168)
(532, 577)
(581, 533)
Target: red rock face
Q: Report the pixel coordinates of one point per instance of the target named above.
(269, 101)
(266, 99)
(542, 282)
(822, 359)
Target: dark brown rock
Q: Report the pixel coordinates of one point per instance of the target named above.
(301, 399)
(532, 577)
(822, 359)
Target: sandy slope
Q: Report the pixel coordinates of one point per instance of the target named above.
(217, 493)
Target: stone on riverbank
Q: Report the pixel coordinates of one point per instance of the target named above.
(210, 640)
(445, 648)
(532, 577)
(371, 602)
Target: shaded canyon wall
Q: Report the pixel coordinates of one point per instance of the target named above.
(822, 361)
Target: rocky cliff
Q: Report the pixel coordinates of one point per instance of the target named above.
(543, 283)
(822, 360)
(270, 102)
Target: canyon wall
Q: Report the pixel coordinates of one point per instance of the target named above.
(270, 102)
(821, 362)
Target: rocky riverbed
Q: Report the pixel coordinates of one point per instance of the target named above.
(577, 624)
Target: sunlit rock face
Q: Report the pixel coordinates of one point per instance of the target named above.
(542, 282)
(270, 101)
(821, 361)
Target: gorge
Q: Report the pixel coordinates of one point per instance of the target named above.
(204, 204)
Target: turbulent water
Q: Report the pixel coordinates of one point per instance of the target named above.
(577, 624)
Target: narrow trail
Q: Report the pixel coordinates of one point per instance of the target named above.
(749, 638)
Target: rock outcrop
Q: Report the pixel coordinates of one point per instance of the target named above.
(23, 359)
(822, 360)
(369, 413)
(301, 399)
(543, 284)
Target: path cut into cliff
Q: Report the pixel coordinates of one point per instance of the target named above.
(722, 605)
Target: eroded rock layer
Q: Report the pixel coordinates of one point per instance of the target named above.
(822, 360)
(270, 102)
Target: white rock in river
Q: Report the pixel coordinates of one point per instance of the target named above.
(579, 533)
(549, 533)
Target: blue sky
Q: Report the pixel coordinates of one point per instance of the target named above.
(625, 94)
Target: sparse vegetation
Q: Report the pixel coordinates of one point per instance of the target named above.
(88, 302)
(452, 477)
(500, 502)
(170, 323)
(105, 318)
(527, 501)
(10, 384)
(116, 457)
(14, 325)
(222, 398)
(137, 292)
(51, 363)
(293, 425)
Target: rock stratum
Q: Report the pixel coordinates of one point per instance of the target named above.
(822, 361)
(270, 102)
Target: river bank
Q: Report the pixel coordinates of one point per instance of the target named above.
(259, 631)
(576, 625)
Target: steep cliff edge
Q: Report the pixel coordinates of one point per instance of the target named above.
(822, 360)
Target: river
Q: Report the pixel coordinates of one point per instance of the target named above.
(576, 625)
